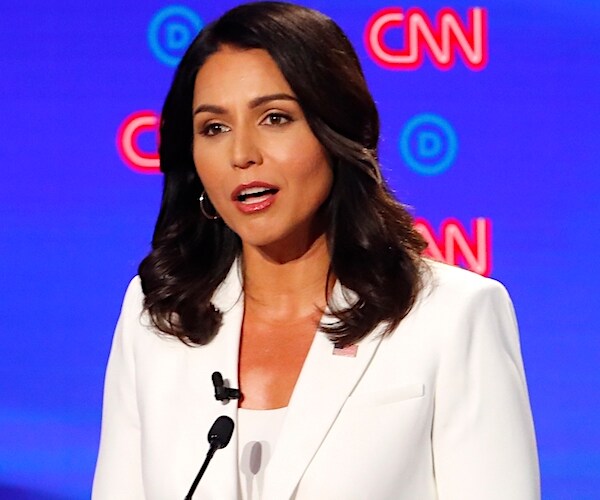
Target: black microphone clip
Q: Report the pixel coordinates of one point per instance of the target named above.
(223, 393)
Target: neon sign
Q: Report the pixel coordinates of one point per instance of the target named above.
(442, 41)
(455, 246)
(140, 122)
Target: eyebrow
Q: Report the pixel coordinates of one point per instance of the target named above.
(257, 101)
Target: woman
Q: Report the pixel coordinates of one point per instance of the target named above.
(281, 260)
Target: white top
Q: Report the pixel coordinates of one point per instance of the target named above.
(258, 431)
(438, 410)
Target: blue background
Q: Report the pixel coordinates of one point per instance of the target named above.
(76, 220)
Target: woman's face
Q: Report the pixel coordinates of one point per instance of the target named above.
(263, 169)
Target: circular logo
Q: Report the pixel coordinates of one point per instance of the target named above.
(171, 31)
(428, 144)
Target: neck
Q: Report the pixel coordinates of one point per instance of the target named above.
(287, 286)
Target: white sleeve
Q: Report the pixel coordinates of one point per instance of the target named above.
(483, 439)
(118, 469)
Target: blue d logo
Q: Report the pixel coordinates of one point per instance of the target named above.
(428, 144)
(171, 31)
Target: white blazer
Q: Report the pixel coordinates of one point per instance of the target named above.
(437, 411)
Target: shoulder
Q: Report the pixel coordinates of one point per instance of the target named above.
(454, 285)
(134, 288)
(135, 330)
(134, 321)
(133, 302)
(454, 302)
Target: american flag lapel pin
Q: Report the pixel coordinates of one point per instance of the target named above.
(349, 351)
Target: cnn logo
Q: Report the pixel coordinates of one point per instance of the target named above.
(443, 40)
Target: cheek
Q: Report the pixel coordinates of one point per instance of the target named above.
(318, 180)
(208, 171)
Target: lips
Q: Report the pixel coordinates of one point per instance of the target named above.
(254, 196)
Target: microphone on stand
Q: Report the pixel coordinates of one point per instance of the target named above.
(218, 437)
(223, 393)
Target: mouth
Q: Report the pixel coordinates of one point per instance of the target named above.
(254, 197)
(253, 193)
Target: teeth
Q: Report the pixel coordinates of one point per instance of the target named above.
(257, 193)
(254, 190)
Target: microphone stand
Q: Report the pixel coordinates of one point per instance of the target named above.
(214, 446)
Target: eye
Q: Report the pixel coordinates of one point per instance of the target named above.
(277, 118)
(212, 129)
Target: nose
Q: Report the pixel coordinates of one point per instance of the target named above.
(245, 149)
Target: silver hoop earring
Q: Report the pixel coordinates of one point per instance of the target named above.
(202, 199)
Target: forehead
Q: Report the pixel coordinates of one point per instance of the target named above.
(232, 72)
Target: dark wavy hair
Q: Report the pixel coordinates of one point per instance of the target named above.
(374, 250)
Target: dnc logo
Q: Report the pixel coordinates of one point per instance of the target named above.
(170, 32)
(428, 144)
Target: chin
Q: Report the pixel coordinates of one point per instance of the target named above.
(279, 235)
(261, 240)
(281, 247)
(259, 231)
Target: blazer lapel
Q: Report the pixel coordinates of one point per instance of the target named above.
(325, 382)
(220, 481)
